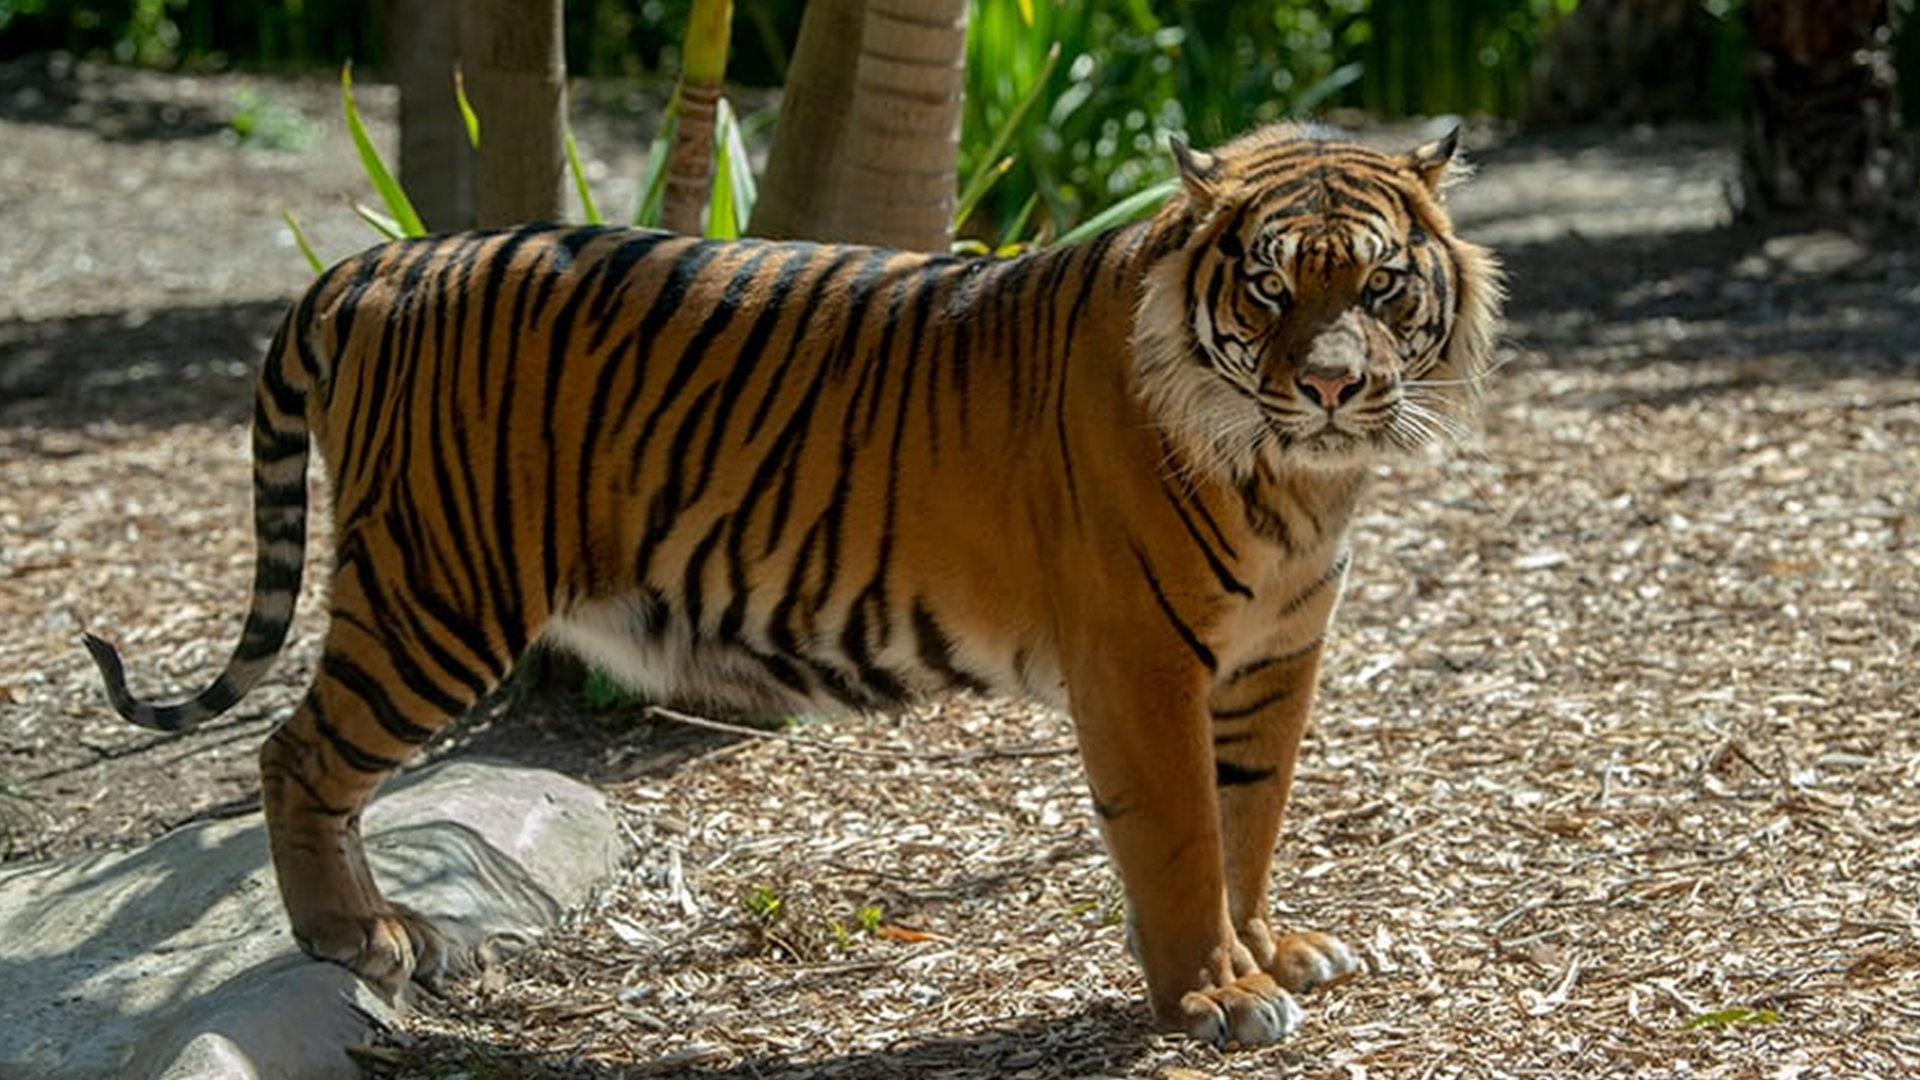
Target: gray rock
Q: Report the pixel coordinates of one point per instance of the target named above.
(174, 961)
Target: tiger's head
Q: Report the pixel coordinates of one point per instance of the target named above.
(1317, 312)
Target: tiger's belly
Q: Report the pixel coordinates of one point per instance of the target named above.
(834, 665)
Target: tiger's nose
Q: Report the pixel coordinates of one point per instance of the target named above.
(1333, 387)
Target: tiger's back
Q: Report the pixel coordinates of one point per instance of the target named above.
(779, 503)
(1116, 476)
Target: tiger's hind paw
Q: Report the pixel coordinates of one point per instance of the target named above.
(1251, 1011)
(388, 949)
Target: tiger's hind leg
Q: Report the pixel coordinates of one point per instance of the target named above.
(376, 698)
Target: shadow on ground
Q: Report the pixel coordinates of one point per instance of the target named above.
(1106, 1039)
(162, 367)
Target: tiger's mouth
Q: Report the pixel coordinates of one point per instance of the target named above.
(1341, 439)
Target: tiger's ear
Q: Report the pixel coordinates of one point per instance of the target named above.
(1199, 174)
(1432, 160)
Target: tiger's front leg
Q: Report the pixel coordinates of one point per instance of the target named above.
(1142, 728)
(1259, 716)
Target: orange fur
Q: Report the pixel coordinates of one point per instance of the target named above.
(1115, 476)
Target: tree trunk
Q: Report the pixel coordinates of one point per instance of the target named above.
(436, 162)
(518, 88)
(799, 177)
(1624, 62)
(866, 152)
(1821, 114)
(696, 107)
(904, 140)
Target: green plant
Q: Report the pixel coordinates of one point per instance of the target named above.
(1737, 1016)
(602, 691)
(763, 904)
(731, 204)
(260, 120)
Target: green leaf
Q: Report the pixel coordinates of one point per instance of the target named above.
(467, 114)
(653, 181)
(1137, 205)
(1335, 81)
(587, 209)
(602, 691)
(300, 240)
(381, 223)
(997, 165)
(405, 220)
(734, 191)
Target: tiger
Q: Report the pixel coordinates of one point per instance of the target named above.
(1116, 476)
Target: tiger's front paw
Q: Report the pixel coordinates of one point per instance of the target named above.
(1303, 960)
(1306, 960)
(1251, 1011)
(386, 948)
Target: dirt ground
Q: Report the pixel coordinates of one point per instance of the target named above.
(1616, 764)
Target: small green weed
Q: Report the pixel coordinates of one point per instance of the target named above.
(763, 904)
(1737, 1016)
(602, 691)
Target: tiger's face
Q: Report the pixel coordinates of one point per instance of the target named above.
(1321, 313)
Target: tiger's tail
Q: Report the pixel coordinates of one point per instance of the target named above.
(280, 452)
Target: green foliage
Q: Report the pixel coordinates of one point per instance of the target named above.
(1130, 71)
(866, 922)
(260, 120)
(763, 904)
(1736, 1016)
(404, 221)
(603, 691)
(730, 200)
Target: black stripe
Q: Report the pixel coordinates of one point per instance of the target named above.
(1227, 774)
(294, 777)
(692, 591)
(1334, 573)
(1221, 572)
(934, 646)
(359, 682)
(503, 576)
(745, 358)
(448, 620)
(868, 620)
(1255, 667)
(801, 344)
(353, 755)
(665, 506)
(1180, 627)
(458, 540)
(1264, 701)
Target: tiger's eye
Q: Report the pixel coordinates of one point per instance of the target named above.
(1381, 280)
(1270, 285)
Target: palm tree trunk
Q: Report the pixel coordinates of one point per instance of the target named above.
(696, 107)
(436, 164)
(904, 140)
(866, 151)
(1822, 111)
(813, 111)
(519, 92)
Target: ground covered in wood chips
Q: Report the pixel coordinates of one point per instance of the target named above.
(1616, 770)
